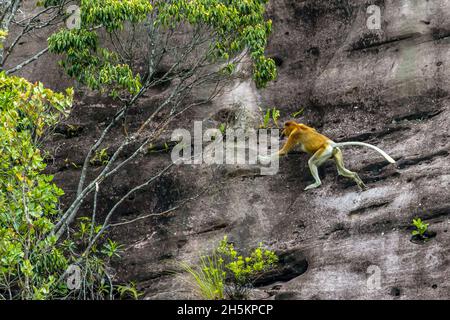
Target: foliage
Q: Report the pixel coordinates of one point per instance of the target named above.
(222, 128)
(298, 113)
(100, 157)
(270, 114)
(128, 291)
(3, 35)
(29, 259)
(32, 262)
(48, 3)
(421, 227)
(236, 25)
(209, 276)
(97, 67)
(37, 241)
(226, 272)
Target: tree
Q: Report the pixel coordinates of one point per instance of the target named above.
(29, 259)
(217, 32)
(50, 13)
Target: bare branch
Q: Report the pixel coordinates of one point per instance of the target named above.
(157, 214)
(110, 213)
(27, 62)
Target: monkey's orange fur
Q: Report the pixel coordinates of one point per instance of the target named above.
(311, 141)
(322, 149)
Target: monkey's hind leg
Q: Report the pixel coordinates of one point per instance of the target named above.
(337, 154)
(314, 162)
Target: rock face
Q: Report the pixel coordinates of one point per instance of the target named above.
(388, 87)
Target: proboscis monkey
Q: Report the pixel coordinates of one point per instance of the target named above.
(322, 149)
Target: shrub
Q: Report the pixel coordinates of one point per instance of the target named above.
(100, 158)
(421, 227)
(226, 273)
(273, 114)
(209, 276)
(33, 264)
(243, 271)
(30, 263)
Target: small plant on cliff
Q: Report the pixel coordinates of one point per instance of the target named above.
(222, 128)
(3, 35)
(100, 158)
(226, 273)
(421, 228)
(209, 276)
(129, 291)
(275, 116)
(270, 114)
(243, 271)
(298, 113)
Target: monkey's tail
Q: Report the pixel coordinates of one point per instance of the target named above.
(355, 143)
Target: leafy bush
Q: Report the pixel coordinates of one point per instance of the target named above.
(243, 271)
(209, 276)
(238, 26)
(273, 114)
(421, 227)
(226, 273)
(33, 264)
(97, 67)
(100, 157)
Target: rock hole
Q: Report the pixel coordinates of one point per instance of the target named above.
(286, 296)
(181, 243)
(69, 130)
(314, 51)
(421, 239)
(439, 33)
(161, 80)
(278, 61)
(396, 292)
(291, 265)
(224, 115)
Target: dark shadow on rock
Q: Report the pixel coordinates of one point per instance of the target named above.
(291, 265)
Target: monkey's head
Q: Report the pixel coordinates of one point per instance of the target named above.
(289, 126)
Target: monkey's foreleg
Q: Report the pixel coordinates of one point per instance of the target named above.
(288, 146)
